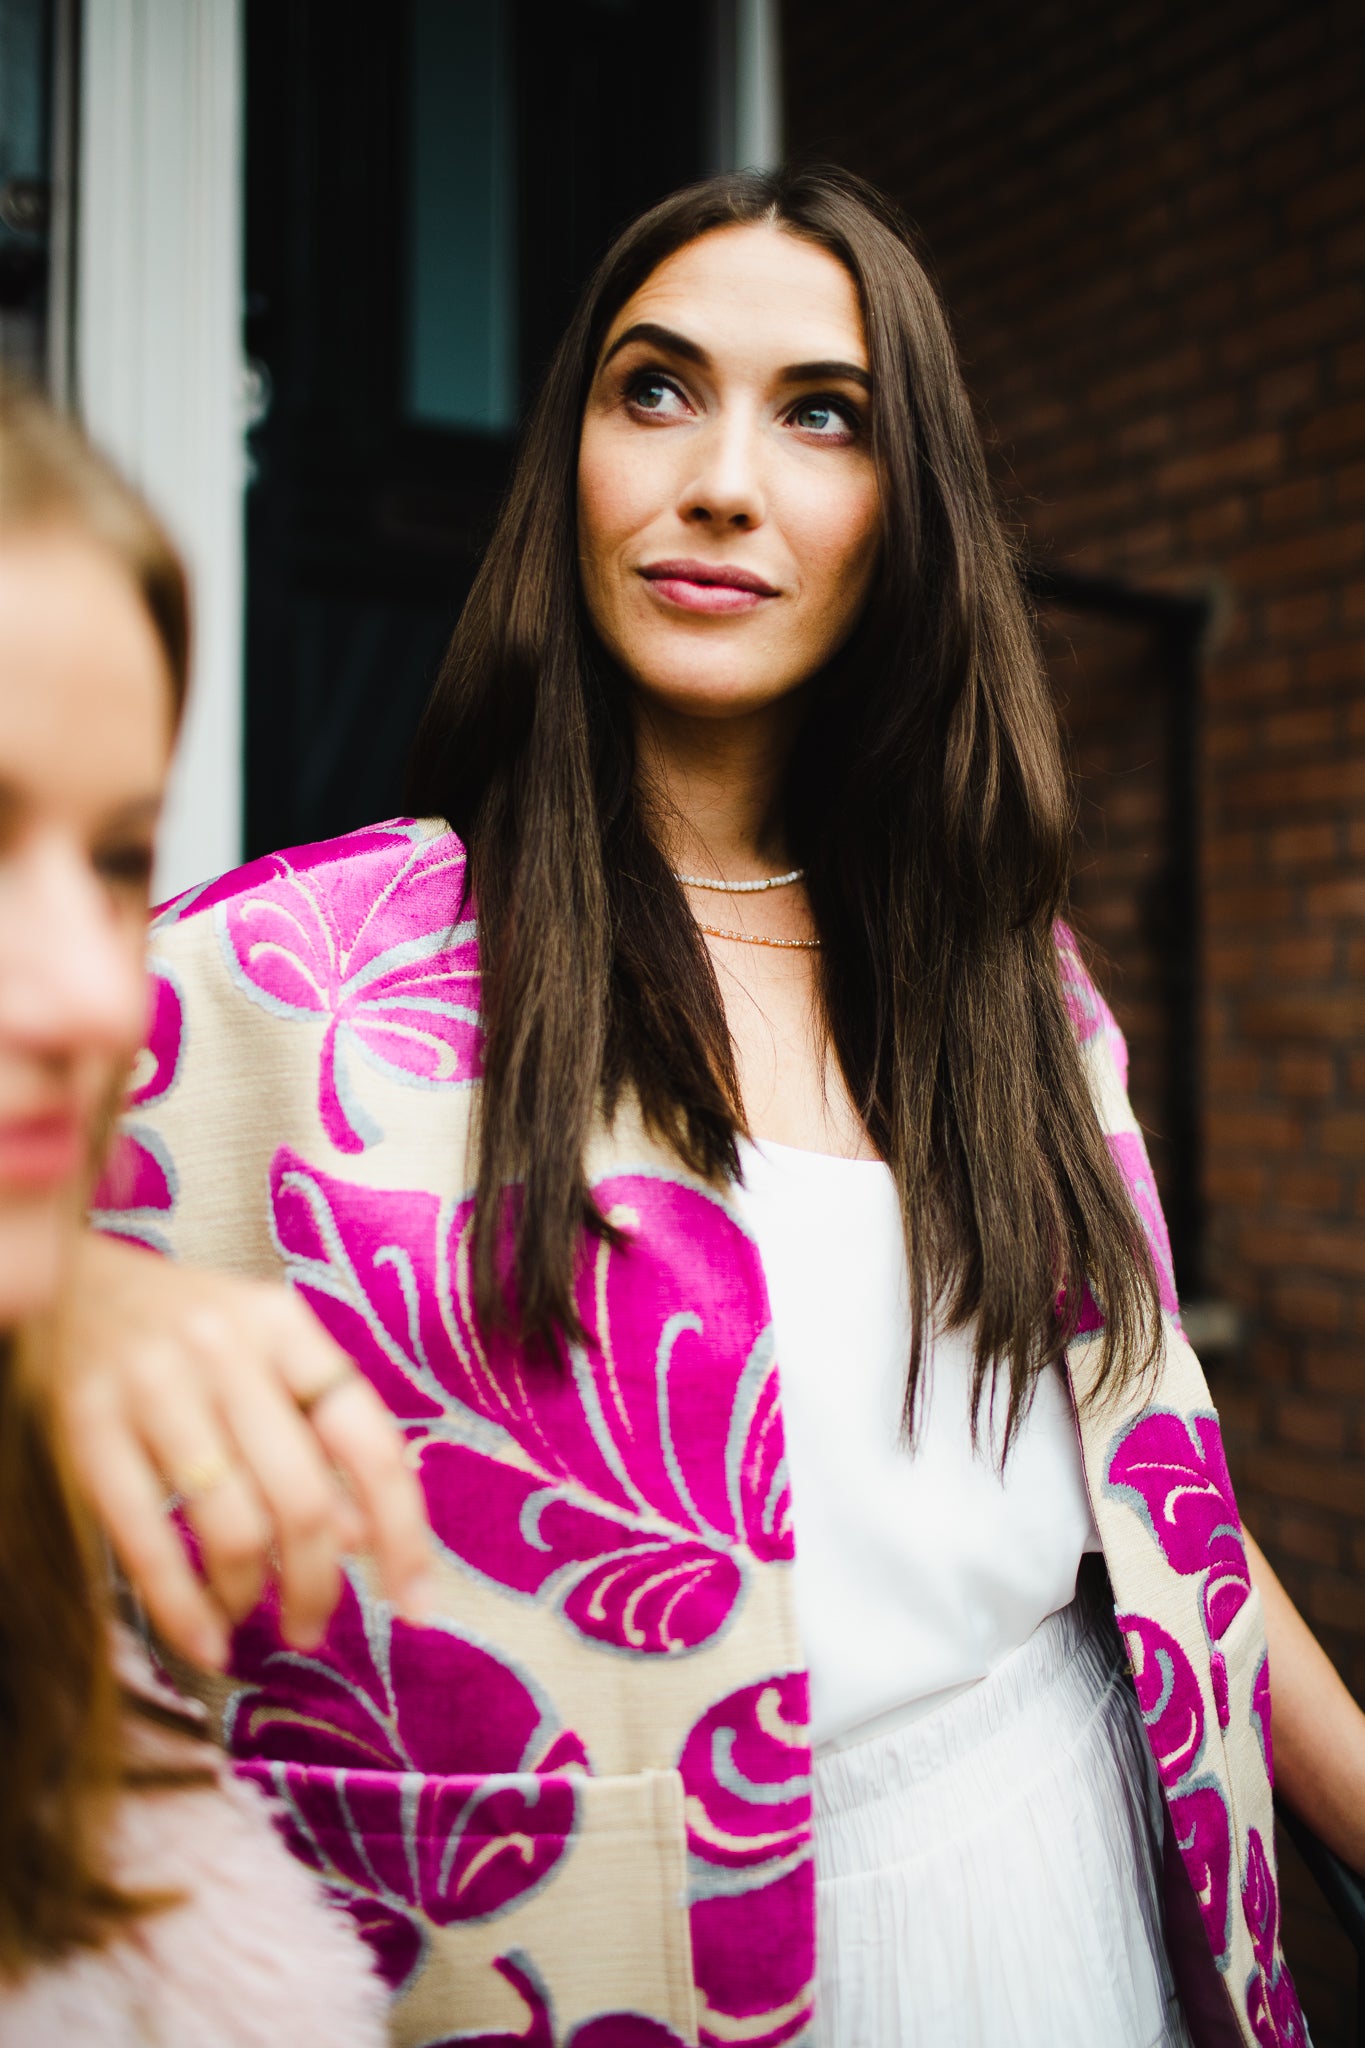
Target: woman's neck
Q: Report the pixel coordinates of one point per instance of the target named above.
(711, 787)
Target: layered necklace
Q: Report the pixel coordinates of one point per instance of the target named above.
(717, 931)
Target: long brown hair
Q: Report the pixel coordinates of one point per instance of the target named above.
(925, 795)
(60, 1715)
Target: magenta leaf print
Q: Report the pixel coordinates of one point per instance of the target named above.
(362, 933)
(746, 1778)
(1203, 1833)
(1260, 1901)
(1169, 1696)
(138, 1188)
(419, 1772)
(1091, 1017)
(746, 1772)
(767, 2007)
(633, 1490)
(1272, 2002)
(1174, 1472)
(604, 2030)
(1130, 1156)
(1260, 1714)
(1274, 2011)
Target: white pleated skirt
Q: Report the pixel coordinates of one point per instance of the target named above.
(989, 1876)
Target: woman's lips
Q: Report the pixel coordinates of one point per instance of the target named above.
(40, 1152)
(696, 587)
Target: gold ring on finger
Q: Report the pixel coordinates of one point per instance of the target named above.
(308, 1401)
(202, 1475)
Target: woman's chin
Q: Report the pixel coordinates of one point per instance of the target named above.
(711, 690)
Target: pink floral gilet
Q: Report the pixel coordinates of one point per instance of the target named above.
(575, 1808)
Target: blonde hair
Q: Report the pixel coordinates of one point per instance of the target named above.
(61, 1718)
(50, 475)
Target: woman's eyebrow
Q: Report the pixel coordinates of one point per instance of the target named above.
(660, 337)
(692, 352)
(810, 373)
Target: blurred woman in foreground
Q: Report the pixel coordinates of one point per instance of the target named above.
(143, 1894)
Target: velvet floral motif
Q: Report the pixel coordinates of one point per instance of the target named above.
(419, 1771)
(1169, 1696)
(633, 1490)
(1091, 1017)
(357, 933)
(1272, 2002)
(1174, 1472)
(746, 1776)
(604, 2030)
(137, 1190)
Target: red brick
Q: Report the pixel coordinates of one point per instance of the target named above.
(1293, 504)
(1229, 852)
(1241, 682)
(1236, 1185)
(1310, 1305)
(1349, 364)
(1344, 898)
(1310, 1425)
(1284, 392)
(1336, 1371)
(1318, 782)
(1350, 486)
(1346, 249)
(1335, 432)
(1216, 524)
(1300, 959)
(1309, 323)
(1237, 462)
(1234, 1073)
(1310, 1538)
(1335, 1019)
(1253, 1130)
(1306, 1074)
(1292, 1476)
(1332, 198)
(1298, 618)
(1341, 662)
(1306, 556)
(1343, 1136)
(1308, 1190)
(1338, 1600)
(1296, 732)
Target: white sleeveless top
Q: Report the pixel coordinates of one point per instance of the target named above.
(918, 1573)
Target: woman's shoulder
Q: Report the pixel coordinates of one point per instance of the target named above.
(1096, 1028)
(364, 875)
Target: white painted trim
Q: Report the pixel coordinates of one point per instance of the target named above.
(758, 86)
(158, 348)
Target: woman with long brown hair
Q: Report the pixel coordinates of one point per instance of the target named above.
(143, 1896)
(703, 1132)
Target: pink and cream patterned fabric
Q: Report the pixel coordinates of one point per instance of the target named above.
(575, 1807)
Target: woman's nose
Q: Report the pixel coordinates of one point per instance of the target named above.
(725, 486)
(72, 978)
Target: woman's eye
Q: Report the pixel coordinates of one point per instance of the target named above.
(648, 392)
(828, 418)
(125, 867)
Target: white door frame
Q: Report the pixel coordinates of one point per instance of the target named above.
(157, 347)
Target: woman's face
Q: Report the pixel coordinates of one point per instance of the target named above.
(85, 731)
(727, 499)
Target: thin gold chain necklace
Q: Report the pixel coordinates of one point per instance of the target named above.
(716, 931)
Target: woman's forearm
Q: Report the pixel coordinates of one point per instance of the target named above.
(1319, 1731)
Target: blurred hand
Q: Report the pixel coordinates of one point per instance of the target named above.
(172, 1380)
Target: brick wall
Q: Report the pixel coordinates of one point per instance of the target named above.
(1149, 224)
